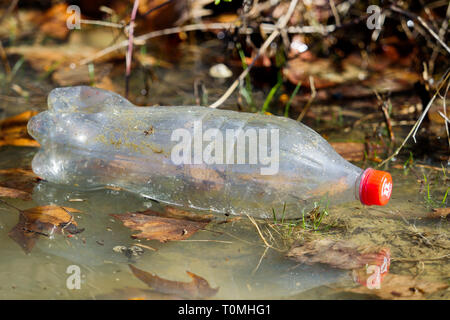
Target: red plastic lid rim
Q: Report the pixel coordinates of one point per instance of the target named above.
(375, 187)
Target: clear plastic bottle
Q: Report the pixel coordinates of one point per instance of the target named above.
(91, 138)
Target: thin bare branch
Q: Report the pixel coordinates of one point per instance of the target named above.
(280, 25)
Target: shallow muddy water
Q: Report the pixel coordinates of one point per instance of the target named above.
(231, 256)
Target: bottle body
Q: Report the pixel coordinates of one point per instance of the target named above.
(194, 157)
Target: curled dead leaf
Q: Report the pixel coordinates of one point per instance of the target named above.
(173, 224)
(198, 288)
(44, 220)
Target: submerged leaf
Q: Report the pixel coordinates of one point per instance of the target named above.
(13, 131)
(14, 193)
(173, 224)
(44, 220)
(17, 183)
(337, 254)
(439, 212)
(402, 287)
(198, 288)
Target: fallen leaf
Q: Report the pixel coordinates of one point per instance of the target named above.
(149, 61)
(169, 15)
(348, 78)
(172, 212)
(322, 70)
(18, 179)
(173, 224)
(402, 287)
(53, 21)
(337, 254)
(76, 75)
(350, 151)
(439, 212)
(50, 58)
(25, 239)
(13, 131)
(44, 220)
(198, 288)
(14, 193)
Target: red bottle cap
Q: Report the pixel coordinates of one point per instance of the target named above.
(375, 187)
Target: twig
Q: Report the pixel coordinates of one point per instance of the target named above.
(304, 29)
(145, 246)
(444, 98)
(417, 124)
(280, 25)
(423, 23)
(103, 23)
(155, 34)
(4, 58)
(442, 32)
(130, 47)
(11, 7)
(10, 205)
(310, 100)
(66, 224)
(259, 231)
(267, 28)
(387, 117)
(260, 260)
(335, 13)
(422, 116)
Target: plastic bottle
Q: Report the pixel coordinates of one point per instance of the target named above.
(91, 138)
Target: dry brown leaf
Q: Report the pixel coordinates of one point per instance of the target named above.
(338, 254)
(53, 21)
(439, 212)
(170, 225)
(44, 220)
(13, 131)
(48, 58)
(149, 61)
(350, 151)
(198, 288)
(25, 239)
(20, 183)
(174, 13)
(172, 212)
(299, 70)
(402, 287)
(14, 193)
